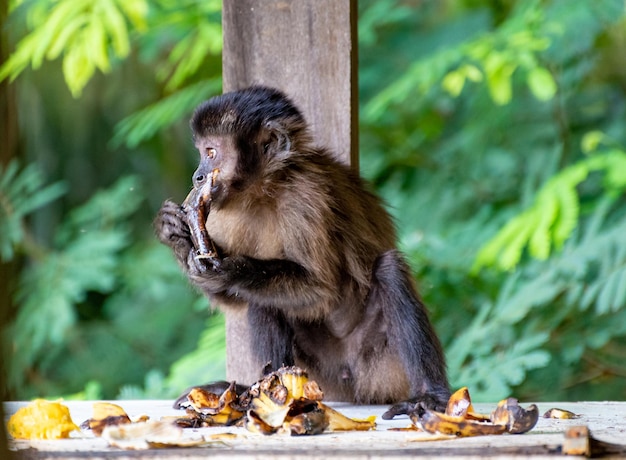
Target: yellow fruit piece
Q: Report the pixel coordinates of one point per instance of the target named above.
(294, 379)
(102, 410)
(41, 419)
(339, 422)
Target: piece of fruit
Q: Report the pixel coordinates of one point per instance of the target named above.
(41, 419)
(516, 419)
(560, 414)
(455, 425)
(105, 414)
(212, 409)
(461, 420)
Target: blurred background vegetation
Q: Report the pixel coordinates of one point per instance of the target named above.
(494, 129)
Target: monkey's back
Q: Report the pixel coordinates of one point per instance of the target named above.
(330, 221)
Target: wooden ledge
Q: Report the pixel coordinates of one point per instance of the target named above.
(605, 420)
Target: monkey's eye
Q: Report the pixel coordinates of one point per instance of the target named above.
(210, 151)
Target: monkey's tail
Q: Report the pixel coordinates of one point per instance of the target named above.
(411, 332)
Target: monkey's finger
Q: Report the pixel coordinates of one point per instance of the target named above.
(402, 408)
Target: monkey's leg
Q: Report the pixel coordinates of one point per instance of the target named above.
(410, 331)
(271, 338)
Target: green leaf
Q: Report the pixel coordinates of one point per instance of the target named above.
(453, 83)
(540, 239)
(541, 83)
(568, 212)
(145, 123)
(591, 141)
(116, 26)
(78, 68)
(498, 72)
(82, 31)
(21, 193)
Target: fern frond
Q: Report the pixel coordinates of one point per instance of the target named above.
(86, 260)
(104, 210)
(84, 31)
(544, 214)
(21, 192)
(550, 220)
(568, 212)
(145, 123)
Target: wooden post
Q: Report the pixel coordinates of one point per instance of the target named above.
(308, 49)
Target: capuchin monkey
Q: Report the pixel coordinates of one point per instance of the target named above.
(303, 245)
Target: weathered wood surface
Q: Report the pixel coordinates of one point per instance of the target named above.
(606, 420)
(308, 49)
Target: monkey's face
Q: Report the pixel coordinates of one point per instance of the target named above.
(235, 165)
(248, 135)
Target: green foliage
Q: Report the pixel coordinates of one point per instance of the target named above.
(480, 121)
(21, 192)
(87, 32)
(553, 216)
(145, 123)
(93, 256)
(86, 293)
(84, 261)
(201, 36)
(204, 364)
(492, 57)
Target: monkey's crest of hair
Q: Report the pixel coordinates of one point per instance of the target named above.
(246, 112)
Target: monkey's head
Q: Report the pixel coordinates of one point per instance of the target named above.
(245, 134)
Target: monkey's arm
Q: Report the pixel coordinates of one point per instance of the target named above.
(275, 282)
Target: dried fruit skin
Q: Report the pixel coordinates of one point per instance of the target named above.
(516, 419)
(105, 414)
(213, 410)
(41, 419)
(438, 423)
(560, 414)
(459, 403)
(461, 420)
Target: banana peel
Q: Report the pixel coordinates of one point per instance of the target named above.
(209, 409)
(454, 425)
(461, 420)
(515, 418)
(339, 422)
(105, 414)
(152, 434)
(286, 401)
(460, 404)
(560, 414)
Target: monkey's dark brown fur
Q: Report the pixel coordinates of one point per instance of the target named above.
(310, 252)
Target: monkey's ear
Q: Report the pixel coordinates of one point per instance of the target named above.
(275, 138)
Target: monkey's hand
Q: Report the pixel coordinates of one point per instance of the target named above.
(436, 401)
(173, 231)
